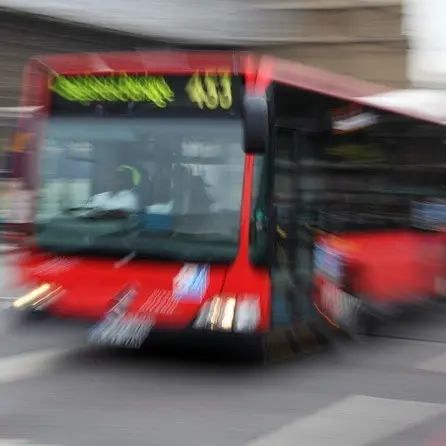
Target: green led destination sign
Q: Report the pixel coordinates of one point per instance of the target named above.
(203, 91)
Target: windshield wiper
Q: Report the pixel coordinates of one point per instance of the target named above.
(125, 260)
(202, 236)
(93, 213)
(78, 208)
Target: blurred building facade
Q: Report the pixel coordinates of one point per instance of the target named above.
(359, 38)
(424, 25)
(23, 36)
(362, 38)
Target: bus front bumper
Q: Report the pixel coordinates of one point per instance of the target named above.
(156, 335)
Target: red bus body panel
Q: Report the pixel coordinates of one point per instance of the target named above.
(89, 286)
(392, 267)
(386, 272)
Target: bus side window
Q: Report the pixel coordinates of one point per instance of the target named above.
(283, 180)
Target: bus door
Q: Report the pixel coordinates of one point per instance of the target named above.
(291, 270)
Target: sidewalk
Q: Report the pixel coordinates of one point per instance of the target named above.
(7, 242)
(6, 248)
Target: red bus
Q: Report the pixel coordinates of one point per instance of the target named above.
(188, 191)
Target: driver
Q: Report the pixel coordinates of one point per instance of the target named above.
(120, 195)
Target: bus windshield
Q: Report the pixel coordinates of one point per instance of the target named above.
(166, 187)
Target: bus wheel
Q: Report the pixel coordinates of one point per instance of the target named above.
(324, 336)
(366, 322)
(359, 321)
(254, 348)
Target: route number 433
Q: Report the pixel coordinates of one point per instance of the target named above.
(210, 91)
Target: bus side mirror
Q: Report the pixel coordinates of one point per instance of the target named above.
(256, 123)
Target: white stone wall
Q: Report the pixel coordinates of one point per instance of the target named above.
(246, 22)
(361, 38)
(230, 21)
(425, 27)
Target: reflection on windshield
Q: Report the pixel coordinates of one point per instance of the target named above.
(173, 176)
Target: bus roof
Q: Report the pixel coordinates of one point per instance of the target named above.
(324, 82)
(138, 62)
(426, 105)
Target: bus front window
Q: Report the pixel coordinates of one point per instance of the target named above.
(166, 187)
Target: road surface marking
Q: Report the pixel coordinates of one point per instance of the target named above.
(5, 247)
(436, 364)
(6, 299)
(29, 365)
(6, 303)
(354, 421)
(18, 442)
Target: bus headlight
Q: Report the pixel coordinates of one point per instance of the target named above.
(229, 314)
(247, 316)
(38, 297)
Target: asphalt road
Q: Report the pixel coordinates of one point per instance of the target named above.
(388, 390)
